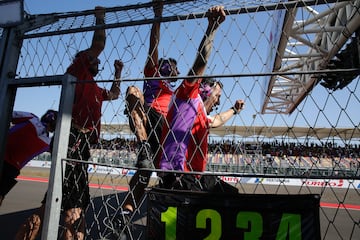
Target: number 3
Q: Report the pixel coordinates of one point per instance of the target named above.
(244, 218)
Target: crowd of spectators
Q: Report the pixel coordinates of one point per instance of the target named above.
(123, 151)
(274, 148)
(117, 144)
(280, 149)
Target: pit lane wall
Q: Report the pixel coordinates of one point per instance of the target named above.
(336, 183)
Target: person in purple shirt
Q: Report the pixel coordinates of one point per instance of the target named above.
(185, 137)
(146, 112)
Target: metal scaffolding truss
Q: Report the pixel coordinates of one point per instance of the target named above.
(304, 50)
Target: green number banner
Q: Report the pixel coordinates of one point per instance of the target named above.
(174, 214)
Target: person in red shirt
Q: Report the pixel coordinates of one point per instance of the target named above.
(85, 130)
(85, 127)
(147, 110)
(28, 137)
(184, 139)
(186, 149)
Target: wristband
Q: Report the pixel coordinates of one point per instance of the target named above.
(235, 111)
(116, 82)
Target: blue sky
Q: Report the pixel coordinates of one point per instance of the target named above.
(39, 99)
(41, 6)
(321, 109)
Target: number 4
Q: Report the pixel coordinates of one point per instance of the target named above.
(290, 227)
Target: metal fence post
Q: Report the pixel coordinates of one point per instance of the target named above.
(59, 152)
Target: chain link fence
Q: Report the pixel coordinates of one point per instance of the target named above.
(294, 63)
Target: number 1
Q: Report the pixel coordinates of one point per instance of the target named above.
(169, 218)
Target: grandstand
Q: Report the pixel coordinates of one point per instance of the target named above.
(258, 158)
(248, 158)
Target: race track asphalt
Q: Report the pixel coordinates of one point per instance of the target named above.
(26, 196)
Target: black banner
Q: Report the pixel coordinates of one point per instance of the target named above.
(174, 214)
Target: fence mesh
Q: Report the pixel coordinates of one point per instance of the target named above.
(294, 63)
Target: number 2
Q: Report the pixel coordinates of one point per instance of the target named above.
(215, 222)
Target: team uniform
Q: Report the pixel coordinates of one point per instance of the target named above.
(89, 97)
(157, 96)
(186, 149)
(27, 138)
(157, 93)
(86, 117)
(185, 143)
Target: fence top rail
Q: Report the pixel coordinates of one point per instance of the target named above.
(140, 14)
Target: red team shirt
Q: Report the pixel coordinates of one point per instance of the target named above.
(27, 139)
(89, 96)
(185, 140)
(157, 93)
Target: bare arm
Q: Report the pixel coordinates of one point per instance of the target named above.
(153, 54)
(115, 87)
(216, 15)
(220, 119)
(99, 37)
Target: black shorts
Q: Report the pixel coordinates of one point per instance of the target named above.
(75, 185)
(8, 178)
(154, 128)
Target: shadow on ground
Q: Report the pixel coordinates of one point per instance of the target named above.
(100, 220)
(11, 222)
(103, 214)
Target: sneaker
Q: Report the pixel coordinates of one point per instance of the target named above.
(145, 156)
(124, 228)
(119, 226)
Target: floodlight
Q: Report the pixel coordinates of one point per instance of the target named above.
(11, 12)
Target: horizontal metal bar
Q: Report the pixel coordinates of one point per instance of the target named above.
(241, 10)
(37, 81)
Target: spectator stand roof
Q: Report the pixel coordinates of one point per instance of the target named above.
(310, 37)
(266, 131)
